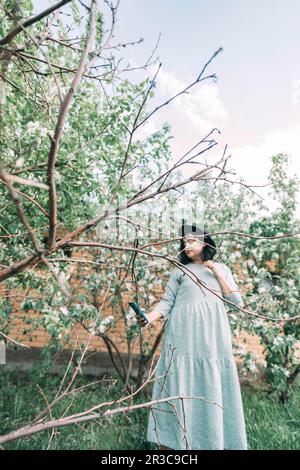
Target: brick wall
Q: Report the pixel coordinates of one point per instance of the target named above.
(36, 336)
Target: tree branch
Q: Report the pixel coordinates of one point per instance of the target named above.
(8, 38)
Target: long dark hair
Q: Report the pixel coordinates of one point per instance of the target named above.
(209, 249)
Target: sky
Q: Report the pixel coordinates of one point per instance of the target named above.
(256, 100)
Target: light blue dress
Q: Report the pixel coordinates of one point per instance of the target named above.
(201, 365)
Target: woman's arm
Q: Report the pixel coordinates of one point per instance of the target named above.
(153, 315)
(227, 283)
(163, 308)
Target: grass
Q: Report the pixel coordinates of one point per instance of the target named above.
(269, 425)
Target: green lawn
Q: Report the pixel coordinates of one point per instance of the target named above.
(269, 425)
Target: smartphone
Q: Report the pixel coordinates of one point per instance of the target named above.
(136, 308)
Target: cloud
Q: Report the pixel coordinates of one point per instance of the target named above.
(202, 106)
(147, 129)
(253, 162)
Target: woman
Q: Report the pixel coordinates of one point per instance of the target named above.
(197, 359)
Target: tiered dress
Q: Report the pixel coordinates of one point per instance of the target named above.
(197, 360)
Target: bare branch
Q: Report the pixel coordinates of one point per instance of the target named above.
(21, 212)
(26, 182)
(59, 128)
(8, 338)
(175, 262)
(8, 38)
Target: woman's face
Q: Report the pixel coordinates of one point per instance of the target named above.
(193, 246)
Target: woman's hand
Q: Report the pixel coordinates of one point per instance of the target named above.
(151, 316)
(142, 322)
(214, 267)
(211, 265)
(226, 289)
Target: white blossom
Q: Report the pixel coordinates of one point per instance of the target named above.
(43, 131)
(152, 298)
(278, 340)
(252, 367)
(57, 176)
(105, 323)
(19, 162)
(64, 310)
(32, 126)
